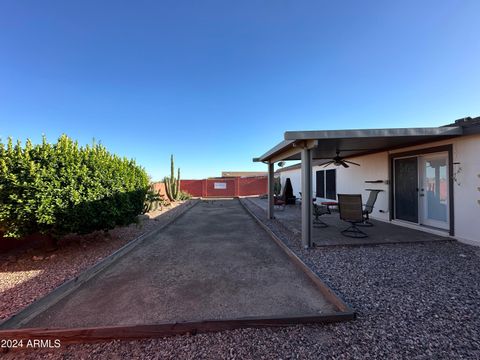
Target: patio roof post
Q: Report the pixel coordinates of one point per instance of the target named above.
(307, 218)
(271, 175)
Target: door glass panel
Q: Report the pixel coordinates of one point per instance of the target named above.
(406, 189)
(331, 184)
(320, 184)
(436, 189)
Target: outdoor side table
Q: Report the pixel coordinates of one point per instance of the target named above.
(328, 204)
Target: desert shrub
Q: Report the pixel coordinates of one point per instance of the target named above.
(153, 200)
(183, 195)
(64, 188)
(277, 186)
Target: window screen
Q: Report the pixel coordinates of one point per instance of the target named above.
(321, 184)
(326, 184)
(331, 185)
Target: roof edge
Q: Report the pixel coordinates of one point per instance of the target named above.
(339, 134)
(277, 148)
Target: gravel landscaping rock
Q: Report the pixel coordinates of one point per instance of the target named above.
(414, 301)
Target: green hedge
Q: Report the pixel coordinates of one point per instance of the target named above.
(65, 188)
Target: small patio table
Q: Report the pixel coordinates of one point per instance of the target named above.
(328, 204)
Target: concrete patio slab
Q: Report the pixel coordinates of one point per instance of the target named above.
(214, 263)
(380, 233)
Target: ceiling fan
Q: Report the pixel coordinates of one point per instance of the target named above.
(338, 160)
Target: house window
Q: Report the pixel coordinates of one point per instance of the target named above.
(327, 184)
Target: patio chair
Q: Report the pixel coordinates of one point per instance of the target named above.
(351, 210)
(319, 210)
(368, 207)
(278, 202)
(299, 199)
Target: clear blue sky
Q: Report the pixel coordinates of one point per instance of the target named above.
(218, 82)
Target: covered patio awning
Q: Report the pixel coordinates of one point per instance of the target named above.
(324, 144)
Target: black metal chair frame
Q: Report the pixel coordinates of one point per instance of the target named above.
(368, 207)
(351, 210)
(319, 210)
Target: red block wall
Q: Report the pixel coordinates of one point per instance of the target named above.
(230, 191)
(193, 187)
(235, 187)
(253, 186)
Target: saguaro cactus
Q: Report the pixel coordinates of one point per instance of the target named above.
(172, 185)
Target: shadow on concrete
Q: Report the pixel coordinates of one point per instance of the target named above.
(380, 233)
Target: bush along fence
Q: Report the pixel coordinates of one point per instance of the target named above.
(61, 188)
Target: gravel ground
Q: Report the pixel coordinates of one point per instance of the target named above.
(414, 301)
(27, 276)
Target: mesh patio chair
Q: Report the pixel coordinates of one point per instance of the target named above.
(351, 210)
(319, 210)
(368, 207)
(299, 199)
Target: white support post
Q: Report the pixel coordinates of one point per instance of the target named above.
(271, 179)
(307, 217)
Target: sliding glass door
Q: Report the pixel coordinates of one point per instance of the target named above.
(421, 189)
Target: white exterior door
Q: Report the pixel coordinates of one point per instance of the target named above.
(434, 190)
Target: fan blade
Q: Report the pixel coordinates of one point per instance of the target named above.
(328, 163)
(351, 162)
(344, 164)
